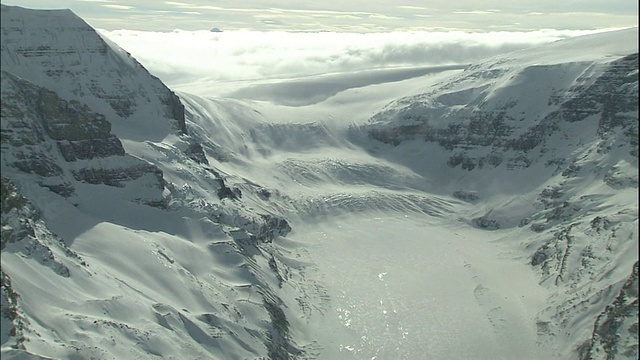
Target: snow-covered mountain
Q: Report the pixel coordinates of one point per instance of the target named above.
(118, 239)
(486, 212)
(544, 140)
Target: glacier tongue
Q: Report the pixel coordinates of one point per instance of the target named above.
(489, 212)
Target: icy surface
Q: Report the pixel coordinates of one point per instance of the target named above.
(406, 286)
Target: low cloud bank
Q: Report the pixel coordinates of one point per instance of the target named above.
(181, 56)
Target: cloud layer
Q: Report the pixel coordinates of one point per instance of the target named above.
(183, 56)
(349, 16)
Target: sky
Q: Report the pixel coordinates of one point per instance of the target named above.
(359, 16)
(275, 40)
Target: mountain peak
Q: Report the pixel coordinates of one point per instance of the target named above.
(60, 51)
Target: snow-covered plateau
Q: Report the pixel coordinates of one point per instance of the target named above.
(482, 211)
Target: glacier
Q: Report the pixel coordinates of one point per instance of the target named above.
(480, 211)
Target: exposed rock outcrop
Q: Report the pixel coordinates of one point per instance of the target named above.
(610, 100)
(32, 112)
(45, 135)
(615, 332)
(24, 231)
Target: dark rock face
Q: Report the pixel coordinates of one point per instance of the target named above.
(90, 148)
(14, 203)
(11, 311)
(79, 133)
(57, 56)
(224, 191)
(273, 227)
(23, 226)
(175, 110)
(76, 72)
(486, 223)
(196, 153)
(465, 195)
(279, 344)
(36, 162)
(619, 316)
(481, 129)
(263, 229)
(613, 96)
(119, 176)
(63, 189)
(34, 119)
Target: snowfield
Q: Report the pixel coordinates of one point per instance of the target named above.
(453, 295)
(327, 216)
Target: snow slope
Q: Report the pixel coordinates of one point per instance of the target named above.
(347, 220)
